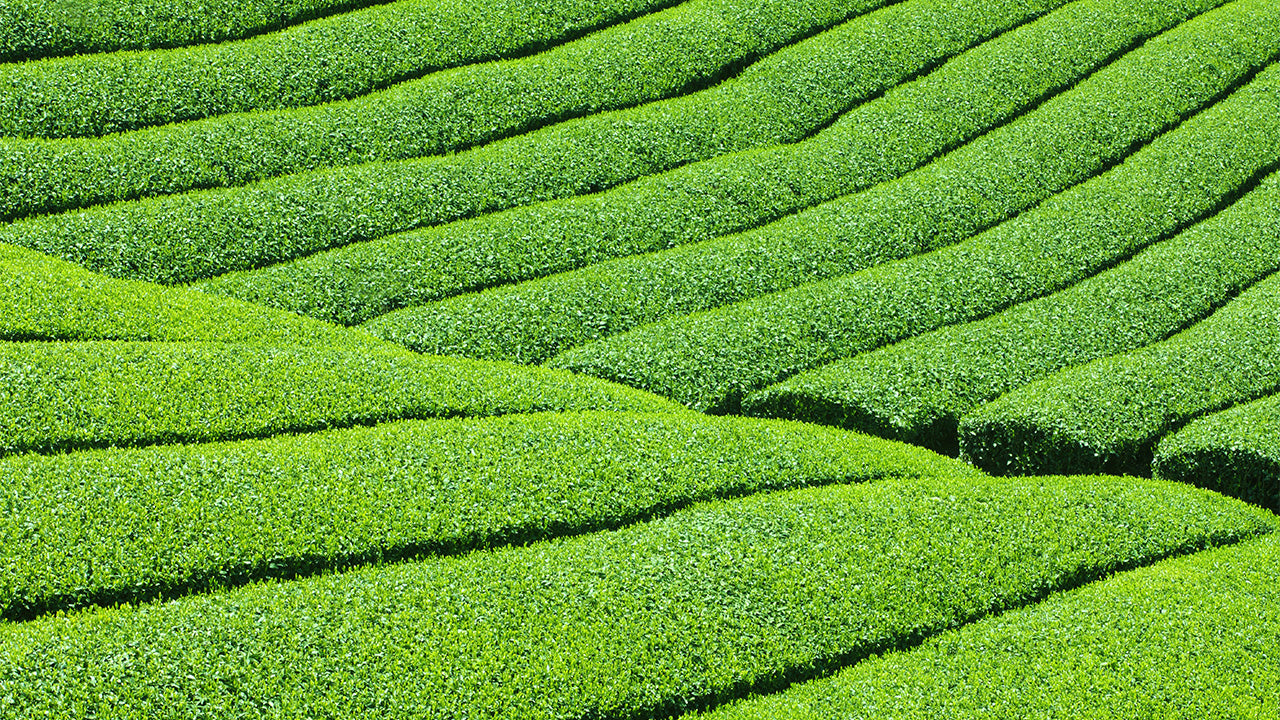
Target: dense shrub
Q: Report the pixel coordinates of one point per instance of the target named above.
(1188, 638)
(34, 30)
(62, 396)
(781, 97)
(49, 299)
(1109, 414)
(709, 361)
(1017, 165)
(699, 607)
(172, 519)
(916, 391)
(1236, 452)
(331, 59)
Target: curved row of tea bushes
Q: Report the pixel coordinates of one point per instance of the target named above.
(965, 97)
(917, 391)
(711, 360)
(35, 30)
(65, 396)
(1109, 414)
(295, 216)
(1187, 638)
(991, 178)
(346, 56)
(173, 519)
(1236, 452)
(643, 58)
(698, 607)
(780, 98)
(46, 298)
(705, 605)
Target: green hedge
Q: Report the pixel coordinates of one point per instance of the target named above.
(918, 390)
(176, 519)
(63, 396)
(697, 202)
(533, 321)
(709, 361)
(780, 98)
(289, 217)
(339, 58)
(46, 298)
(34, 30)
(1235, 452)
(1185, 639)
(643, 622)
(1107, 415)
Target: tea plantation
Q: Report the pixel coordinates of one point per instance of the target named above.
(635, 359)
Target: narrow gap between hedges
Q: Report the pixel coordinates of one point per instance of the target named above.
(1133, 149)
(310, 565)
(825, 667)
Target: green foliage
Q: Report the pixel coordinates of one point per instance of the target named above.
(331, 59)
(62, 396)
(33, 30)
(1186, 639)
(780, 98)
(709, 361)
(293, 216)
(641, 622)
(1108, 414)
(172, 519)
(916, 391)
(1235, 452)
(49, 299)
(536, 320)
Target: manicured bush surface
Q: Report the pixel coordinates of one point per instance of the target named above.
(1188, 638)
(638, 59)
(63, 396)
(916, 391)
(709, 361)
(646, 621)
(1019, 164)
(34, 30)
(331, 59)
(1235, 452)
(1111, 412)
(292, 217)
(172, 519)
(781, 98)
(49, 299)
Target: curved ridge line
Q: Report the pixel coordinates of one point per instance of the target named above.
(1031, 107)
(343, 7)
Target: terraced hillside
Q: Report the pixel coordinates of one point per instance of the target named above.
(639, 359)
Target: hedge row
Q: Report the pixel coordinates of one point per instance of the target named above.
(785, 96)
(679, 613)
(63, 396)
(323, 61)
(31, 31)
(533, 321)
(917, 391)
(1235, 452)
(729, 194)
(175, 519)
(711, 360)
(1188, 638)
(1109, 414)
(49, 299)
(295, 216)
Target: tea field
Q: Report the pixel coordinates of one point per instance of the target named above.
(636, 359)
